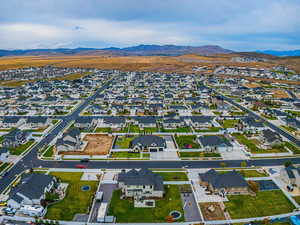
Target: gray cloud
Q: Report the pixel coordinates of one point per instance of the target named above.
(236, 24)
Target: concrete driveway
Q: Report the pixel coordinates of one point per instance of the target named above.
(191, 211)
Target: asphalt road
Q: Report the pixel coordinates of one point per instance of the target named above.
(31, 160)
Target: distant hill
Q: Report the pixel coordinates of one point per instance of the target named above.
(140, 50)
(281, 53)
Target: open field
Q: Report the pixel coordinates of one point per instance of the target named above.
(180, 64)
(278, 93)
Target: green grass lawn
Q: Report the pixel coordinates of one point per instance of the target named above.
(251, 145)
(123, 142)
(134, 129)
(294, 113)
(198, 154)
(49, 152)
(103, 129)
(249, 173)
(265, 203)
(3, 166)
(237, 113)
(20, 149)
(176, 130)
(292, 147)
(173, 176)
(289, 129)
(125, 212)
(229, 123)
(211, 129)
(184, 140)
(128, 155)
(75, 201)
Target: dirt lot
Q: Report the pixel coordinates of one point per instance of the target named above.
(252, 85)
(278, 93)
(216, 214)
(98, 144)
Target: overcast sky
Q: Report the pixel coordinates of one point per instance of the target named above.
(233, 24)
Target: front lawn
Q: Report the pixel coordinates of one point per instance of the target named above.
(176, 130)
(265, 203)
(187, 141)
(3, 166)
(211, 129)
(125, 212)
(75, 201)
(198, 154)
(129, 155)
(20, 149)
(249, 173)
(173, 176)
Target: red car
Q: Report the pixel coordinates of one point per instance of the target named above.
(80, 166)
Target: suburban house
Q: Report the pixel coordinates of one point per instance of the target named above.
(149, 143)
(31, 190)
(292, 122)
(114, 122)
(4, 153)
(270, 138)
(70, 141)
(37, 122)
(141, 183)
(9, 122)
(201, 121)
(173, 122)
(252, 125)
(85, 123)
(215, 143)
(15, 138)
(291, 176)
(230, 183)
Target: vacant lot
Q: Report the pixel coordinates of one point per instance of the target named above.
(98, 144)
(265, 203)
(75, 201)
(278, 93)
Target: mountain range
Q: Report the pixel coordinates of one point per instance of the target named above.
(140, 50)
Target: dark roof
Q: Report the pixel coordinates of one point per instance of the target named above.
(251, 122)
(270, 135)
(148, 141)
(202, 119)
(3, 150)
(11, 119)
(141, 177)
(214, 141)
(146, 119)
(226, 180)
(32, 186)
(114, 119)
(37, 119)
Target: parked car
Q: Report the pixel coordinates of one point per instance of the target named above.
(80, 166)
(84, 160)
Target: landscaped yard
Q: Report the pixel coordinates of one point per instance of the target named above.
(265, 203)
(211, 129)
(20, 149)
(252, 145)
(137, 129)
(250, 173)
(229, 123)
(198, 154)
(187, 141)
(75, 201)
(173, 176)
(125, 212)
(129, 155)
(176, 130)
(123, 142)
(289, 129)
(49, 152)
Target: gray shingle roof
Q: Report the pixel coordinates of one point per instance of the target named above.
(148, 141)
(141, 177)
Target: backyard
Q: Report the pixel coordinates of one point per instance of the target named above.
(265, 203)
(187, 141)
(173, 176)
(123, 142)
(75, 201)
(125, 212)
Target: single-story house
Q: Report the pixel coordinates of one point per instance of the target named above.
(150, 143)
(213, 143)
(230, 183)
(37, 122)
